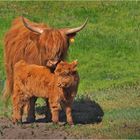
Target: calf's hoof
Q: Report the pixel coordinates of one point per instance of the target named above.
(72, 125)
(55, 122)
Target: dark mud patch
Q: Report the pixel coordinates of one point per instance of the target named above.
(30, 131)
(84, 113)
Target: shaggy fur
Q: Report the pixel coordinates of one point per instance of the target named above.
(21, 43)
(33, 80)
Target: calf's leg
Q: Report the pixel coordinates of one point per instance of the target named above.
(31, 109)
(68, 109)
(55, 107)
(48, 111)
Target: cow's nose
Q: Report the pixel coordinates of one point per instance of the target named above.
(51, 63)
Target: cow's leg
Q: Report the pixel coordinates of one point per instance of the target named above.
(55, 107)
(31, 109)
(68, 108)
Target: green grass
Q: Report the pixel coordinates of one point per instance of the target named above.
(108, 52)
(107, 49)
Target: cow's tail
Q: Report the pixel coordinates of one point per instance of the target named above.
(6, 93)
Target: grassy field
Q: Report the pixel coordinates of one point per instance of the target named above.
(108, 52)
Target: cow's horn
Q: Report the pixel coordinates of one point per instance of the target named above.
(74, 30)
(32, 28)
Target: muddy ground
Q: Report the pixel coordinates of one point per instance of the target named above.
(84, 112)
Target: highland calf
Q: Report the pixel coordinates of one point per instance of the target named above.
(59, 87)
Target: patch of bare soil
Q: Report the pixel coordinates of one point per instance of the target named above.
(84, 112)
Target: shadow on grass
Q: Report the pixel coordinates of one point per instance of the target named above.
(83, 112)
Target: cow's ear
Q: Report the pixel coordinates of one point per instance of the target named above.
(71, 35)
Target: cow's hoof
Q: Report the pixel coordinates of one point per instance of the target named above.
(30, 120)
(17, 122)
(71, 124)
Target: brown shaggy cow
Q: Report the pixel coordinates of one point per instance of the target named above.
(33, 80)
(36, 44)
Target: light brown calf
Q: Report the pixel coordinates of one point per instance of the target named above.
(58, 87)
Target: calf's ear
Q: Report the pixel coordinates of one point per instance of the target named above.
(62, 63)
(75, 63)
(57, 71)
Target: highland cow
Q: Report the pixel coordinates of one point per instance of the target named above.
(33, 80)
(36, 44)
